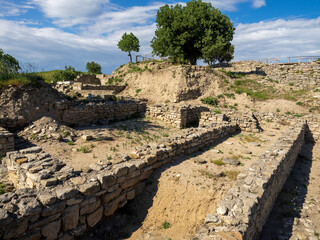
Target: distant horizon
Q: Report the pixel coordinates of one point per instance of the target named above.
(53, 33)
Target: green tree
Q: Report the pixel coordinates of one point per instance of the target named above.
(9, 66)
(129, 43)
(196, 31)
(93, 67)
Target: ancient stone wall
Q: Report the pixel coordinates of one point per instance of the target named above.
(88, 79)
(179, 116)
(245, 120)
(245, 208)
(80, 113)
(302, 75)
(6, 141)
(65, 208)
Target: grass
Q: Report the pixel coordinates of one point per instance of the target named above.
(210, 101)
(232, 174)
(232, 74)
(218, 162)
(84, 149)
(166, 225)
(217, 111)
(2, 188)
(206, 173)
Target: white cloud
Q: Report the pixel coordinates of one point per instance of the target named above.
(71, 12)
(279, 38)
(8, 8)
(231, 5)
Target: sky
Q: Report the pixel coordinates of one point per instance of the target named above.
(50, 34)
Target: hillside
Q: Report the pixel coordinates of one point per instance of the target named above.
(237, 86)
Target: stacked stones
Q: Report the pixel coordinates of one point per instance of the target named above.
(80, 113)
(246, 121)
(6, 141)
(32, 168)
(68, 209)
(245, 208)
(302, 75)
(179, 116)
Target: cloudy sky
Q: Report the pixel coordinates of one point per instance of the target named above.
(53, 33)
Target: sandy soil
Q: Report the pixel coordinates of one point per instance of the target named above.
(178, 197)
(108, 143)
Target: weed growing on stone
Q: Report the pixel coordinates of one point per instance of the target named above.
(2, 188)
(218, 162)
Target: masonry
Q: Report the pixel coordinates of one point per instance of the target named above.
(64, 205)
(6, 141)
(79, 113)
(245, 208)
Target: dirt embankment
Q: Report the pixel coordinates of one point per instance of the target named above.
(27, 102)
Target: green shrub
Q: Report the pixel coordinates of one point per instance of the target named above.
(210, 101)
(166, 225)
(69, 74)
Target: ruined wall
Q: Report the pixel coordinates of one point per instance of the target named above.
(302, 75)
(245, 120)
(245, 208)
(67, 208)
(78, 113)
(179, 116)
(6, 141)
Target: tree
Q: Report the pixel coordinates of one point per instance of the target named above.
(129, 43)
(8, 65)
(196, 31)
(93, 67)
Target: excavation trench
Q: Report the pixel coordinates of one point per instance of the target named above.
(177, 197)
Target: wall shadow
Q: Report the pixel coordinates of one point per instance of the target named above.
(129, 219)
(290, 200)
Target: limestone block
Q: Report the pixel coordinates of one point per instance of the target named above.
(89, 188)
(51, 230)
(94, 218)
(106, 180)
(89, 205)
(70, 218)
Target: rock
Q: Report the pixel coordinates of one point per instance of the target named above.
(87, 137)
(70, 218)
(212, 218)
(94, 218)
(47, 199)
(65, 192)
(222, 210)
(51, 230)
(6, 197)
(230, 161)
(29, 206)
(255, 144)
(90, 188)
(78, 180)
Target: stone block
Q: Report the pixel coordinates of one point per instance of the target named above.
(51, 230)
(95, 217)
(89, 188)
(70, 218)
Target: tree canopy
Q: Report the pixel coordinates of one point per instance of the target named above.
(129, 43)
(196, 31)
(8, 65)
(93, 67)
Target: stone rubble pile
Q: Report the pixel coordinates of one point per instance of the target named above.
(48, 128)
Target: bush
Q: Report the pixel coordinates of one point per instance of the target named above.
(210, 101)
(93, 67)
(69, 74)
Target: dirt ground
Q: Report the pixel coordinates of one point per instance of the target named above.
(178, 197)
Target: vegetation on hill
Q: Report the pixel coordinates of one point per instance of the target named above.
(195, 31)
(93, 68)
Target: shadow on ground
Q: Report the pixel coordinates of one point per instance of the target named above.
(290, 201)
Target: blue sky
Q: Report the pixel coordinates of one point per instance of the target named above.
(53, 33)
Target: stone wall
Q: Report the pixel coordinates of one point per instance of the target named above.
(245, 208)
(80, 113)
(302, 75)
(6, 141)
(88, 79)
(67, 208)
(245, 120)
(179, 116)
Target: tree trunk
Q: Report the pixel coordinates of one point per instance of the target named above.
(130, 57)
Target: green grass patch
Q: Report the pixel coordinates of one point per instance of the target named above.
(210, 101)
